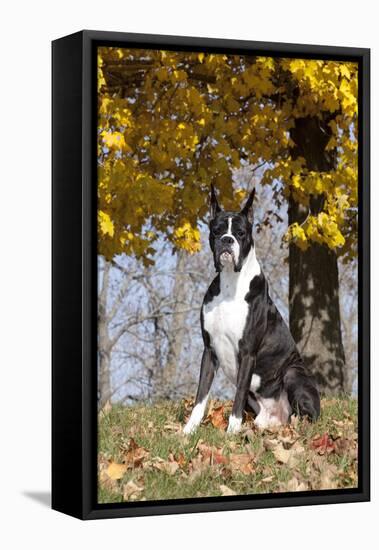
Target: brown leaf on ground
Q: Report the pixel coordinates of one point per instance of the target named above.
(212, 455)
(226, 491)
(267, 479)
(216, 418)
(197, 465)
(134, 455)
(328, 477)
(169, 466)
(226, 472)
(323, 474)
(206, 457)
(181, 459)
(344, 446)
(242, 462)
(131, 490)
(248, 433)
(288, 436)
(293, 485)
(284, 455)
(323, 444)
(270, 444)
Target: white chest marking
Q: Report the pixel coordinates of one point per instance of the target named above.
(225, 317)
(255, 382)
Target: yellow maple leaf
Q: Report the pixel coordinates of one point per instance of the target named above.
(116, 471)
(106, 224)
(187, 237)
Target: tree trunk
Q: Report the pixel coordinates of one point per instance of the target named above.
(104, 347)
(177, 329)
(104, 378)
(314, 307)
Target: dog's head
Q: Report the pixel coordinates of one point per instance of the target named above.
(231, 233)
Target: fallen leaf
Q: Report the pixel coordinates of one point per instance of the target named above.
(270, 444)
(170, 467)
(339, 423)
(282, 455)
(219, 458)
(248, 433)
(226, 491)
(226, 472)
(293, 485)
(197, 465)
(116, 471)
(328, 478)
(180, 459)
(217, 418)
(323, 444)
(212, 455)
(267, 479)
(135, 455)
(343, 446)
(131, 490)
(242, 462)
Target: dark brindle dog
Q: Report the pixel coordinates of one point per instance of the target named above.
(244, 333)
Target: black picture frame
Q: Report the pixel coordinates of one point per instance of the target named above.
(74, 273)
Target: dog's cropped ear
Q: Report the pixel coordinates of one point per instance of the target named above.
(247, 210)
(215, 207)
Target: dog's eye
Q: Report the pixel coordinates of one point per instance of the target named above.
(216, 232)
(240, 234)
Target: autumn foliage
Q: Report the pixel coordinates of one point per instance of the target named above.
(171, 123)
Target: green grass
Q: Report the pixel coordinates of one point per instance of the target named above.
(198, 472)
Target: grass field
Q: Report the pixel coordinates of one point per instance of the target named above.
(143, 454)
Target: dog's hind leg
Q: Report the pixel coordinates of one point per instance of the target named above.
(302, 393)
(252, 404)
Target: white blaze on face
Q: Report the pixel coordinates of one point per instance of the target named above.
(225, 258)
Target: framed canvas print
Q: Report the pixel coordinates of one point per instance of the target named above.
(210, 275)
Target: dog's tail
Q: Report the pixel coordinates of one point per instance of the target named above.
(302, 393)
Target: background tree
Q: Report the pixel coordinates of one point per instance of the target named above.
(170, 123)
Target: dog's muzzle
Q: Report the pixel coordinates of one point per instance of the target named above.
(227, 257)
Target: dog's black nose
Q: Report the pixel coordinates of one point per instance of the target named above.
(227, 240)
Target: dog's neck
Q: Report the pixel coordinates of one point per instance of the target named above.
(235, 282)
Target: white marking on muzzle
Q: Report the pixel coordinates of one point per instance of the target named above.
(235, 245)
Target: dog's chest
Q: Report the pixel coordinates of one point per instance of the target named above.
(224, 320)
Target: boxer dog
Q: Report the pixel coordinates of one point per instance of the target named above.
(245, 335)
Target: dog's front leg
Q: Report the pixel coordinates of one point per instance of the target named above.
(245, 373)
(207, 372)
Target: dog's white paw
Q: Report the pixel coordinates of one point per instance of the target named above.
(234, 425)
(190, 428)
(196, 417)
